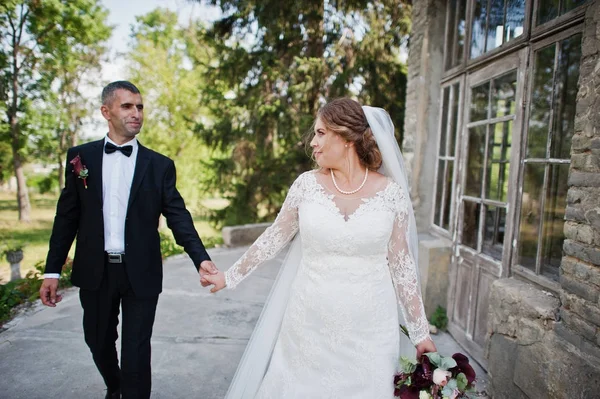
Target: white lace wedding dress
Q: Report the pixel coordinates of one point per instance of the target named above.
(339, 337)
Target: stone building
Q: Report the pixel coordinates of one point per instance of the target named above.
(503, 139)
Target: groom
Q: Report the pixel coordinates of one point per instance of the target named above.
(115, 191)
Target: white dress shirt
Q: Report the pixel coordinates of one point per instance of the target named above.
(117, 176)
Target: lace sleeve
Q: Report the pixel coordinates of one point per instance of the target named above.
(274, 238)
(404, 274)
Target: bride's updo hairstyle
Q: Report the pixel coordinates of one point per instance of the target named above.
(346, 118)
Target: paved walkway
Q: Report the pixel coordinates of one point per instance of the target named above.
(197, 342)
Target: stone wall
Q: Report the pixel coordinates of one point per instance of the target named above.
(526, 357)
(421, 119)
(580, 268)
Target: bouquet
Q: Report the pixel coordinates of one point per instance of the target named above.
(435, 377)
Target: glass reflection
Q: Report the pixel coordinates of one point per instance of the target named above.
(547, 10)
(475, 160)
(541, 102)
(454, 125)
(439, 192)
(493, 231)
(533, 180)
(480, 98)
(515, 19)
(495, 27)
(567, 84)
(498, 162)
(470, 224)
(448, 197)
(444, 126)
(478, 28)
(503, 95)
(554, 219)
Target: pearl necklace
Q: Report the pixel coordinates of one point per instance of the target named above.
(353, 191)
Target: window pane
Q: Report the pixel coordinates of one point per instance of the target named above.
(498, 161)
(448, 197)
(554, 214)
(568, 5)
(453, 132)
(495, 29)
(444, 122)
(493, 233)
(475, 159)
(456, 32)
(478, 28)
(470, 224)
(515, 19)
(550, 9)
(541, 102)
(533, 180)
(439, 192)
(480, 102)
(547, 10)
(503, 95)
(566, 94)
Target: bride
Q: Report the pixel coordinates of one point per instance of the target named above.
(330, 327)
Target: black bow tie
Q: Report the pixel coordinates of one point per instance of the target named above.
(109, 148)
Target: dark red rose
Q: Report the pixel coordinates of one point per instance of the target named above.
(409, 392)
(463, 366)
(79, 169)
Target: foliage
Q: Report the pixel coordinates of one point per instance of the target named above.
(277, 63)
(160, 64)
(45, 48)
(168, 246)
(439, 318)
(27, 290)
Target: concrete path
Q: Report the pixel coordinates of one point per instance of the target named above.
(197, 343)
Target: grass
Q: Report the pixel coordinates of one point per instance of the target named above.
(36, 234)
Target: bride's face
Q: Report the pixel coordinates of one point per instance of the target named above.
(328, 147)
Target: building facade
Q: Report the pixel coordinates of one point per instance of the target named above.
(502, 133)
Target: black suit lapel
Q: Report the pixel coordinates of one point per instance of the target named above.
(141, 164)
(94, 165)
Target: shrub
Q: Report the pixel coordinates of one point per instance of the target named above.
(168, 246)
(439, 318)
(28, 289)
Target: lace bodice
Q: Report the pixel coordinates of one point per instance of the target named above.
(344, 239)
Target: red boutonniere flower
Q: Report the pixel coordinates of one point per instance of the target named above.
(79, 169)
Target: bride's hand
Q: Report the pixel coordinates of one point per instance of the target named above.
(217, 280)
(426, 346)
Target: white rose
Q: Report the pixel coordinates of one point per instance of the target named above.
(440, 377)
(424, 395)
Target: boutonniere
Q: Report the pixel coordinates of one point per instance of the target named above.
(80, 170)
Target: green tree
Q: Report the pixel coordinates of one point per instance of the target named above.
(160, 63)
(277, 62)
(31, 33)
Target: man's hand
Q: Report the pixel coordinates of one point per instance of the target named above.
(426, 346)
(218, 280)
(206, 268)
(48, 292)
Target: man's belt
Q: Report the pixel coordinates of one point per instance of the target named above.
(113, 257)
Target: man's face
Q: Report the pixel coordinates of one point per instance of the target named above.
(125, 113)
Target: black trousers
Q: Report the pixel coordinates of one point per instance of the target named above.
(100, 320)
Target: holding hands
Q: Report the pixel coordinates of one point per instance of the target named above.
(210, 275)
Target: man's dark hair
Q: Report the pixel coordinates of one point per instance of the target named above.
(108, 93)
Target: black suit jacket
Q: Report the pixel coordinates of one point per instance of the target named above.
(79, 214)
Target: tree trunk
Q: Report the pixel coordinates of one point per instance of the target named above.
(22, 193)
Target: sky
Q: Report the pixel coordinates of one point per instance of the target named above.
(122, 14)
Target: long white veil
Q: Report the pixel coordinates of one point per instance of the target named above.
(256, 358)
